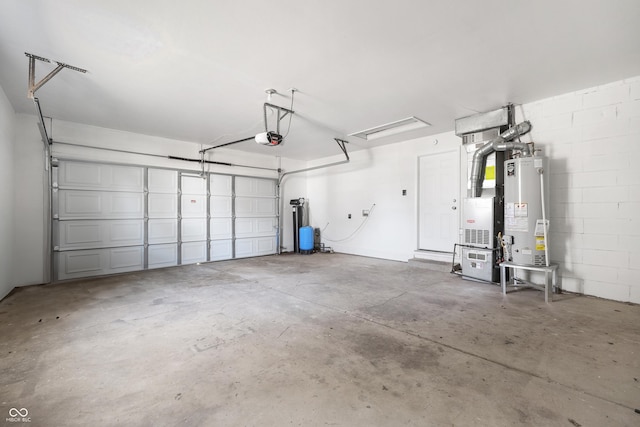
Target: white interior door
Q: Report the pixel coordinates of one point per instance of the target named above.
(439, 201)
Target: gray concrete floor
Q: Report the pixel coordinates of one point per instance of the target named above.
(323, 339)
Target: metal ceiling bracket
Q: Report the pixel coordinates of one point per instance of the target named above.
(33, 86)
(341, 144)
(282, 113)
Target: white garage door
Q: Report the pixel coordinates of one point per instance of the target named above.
(100, 219)
(112, 218)
(255, 217)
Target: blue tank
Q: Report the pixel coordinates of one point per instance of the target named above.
(306, 240)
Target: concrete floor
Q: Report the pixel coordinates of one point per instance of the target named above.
(323, 339)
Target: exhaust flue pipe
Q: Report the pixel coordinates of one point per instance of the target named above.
(501, 143)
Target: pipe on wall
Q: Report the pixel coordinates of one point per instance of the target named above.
(501, 143)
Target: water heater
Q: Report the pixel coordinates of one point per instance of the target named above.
(525, 223)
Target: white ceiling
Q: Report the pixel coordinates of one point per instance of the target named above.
(196, 70)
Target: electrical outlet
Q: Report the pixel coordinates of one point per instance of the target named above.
(365, 212)
(349, 216)
(404, 192)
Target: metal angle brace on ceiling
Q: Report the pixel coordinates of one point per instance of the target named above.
(33, 86)
(281, 116)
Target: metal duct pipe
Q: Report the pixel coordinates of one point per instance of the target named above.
(501, 143)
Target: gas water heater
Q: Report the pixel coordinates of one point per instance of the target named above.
(525, 199)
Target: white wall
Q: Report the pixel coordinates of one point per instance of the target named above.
(375, 176)
(593, 140)
(7, 126)
(30, 205)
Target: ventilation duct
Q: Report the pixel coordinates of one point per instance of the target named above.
(501, 143)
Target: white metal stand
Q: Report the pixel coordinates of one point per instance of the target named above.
(550, 278)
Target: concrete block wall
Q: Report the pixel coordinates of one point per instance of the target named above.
(592, 138)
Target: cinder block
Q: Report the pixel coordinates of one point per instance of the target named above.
(628, 210)
(596, 272)
(615, 94)
(594, 210)
(562, 210)
(628, 109)
(628, 243)
(599, 226)
(591, 131)
(592, 116)
(594, 179)
(568, 255)
(606, 194)
(606, 242)
(607, 289)
(571, 228)
(605, 162)
(553, 136)
(560, 180)
(634, 193)
(555, 122)
(615, 144)
(558, 150)
(634, 261)
(605, 258)
(629, 176)
(562, 104)
(565, 195)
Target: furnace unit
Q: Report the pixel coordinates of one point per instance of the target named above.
(487, 138)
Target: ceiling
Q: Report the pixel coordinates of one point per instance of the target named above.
(197, 70)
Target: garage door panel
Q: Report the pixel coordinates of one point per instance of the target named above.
(92, 176)
(74, 204)
(221, 185)
(193, 206)
(193, 185)
(221, 250)
(95, 262)
(254, 206)
(162, 181)
(255, 187)
(221, 206)
(126, 259)
(221, 228)
(255, 246)
(254, 227)
(81, 263)
(163, 255)
(194, 229)
(193, 252)
(162, 205)
(162, 231)
(98, 234)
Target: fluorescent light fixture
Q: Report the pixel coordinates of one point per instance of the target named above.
(393, 128)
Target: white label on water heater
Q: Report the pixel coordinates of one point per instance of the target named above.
(521, 210)
(516, 224)
(540, 229)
